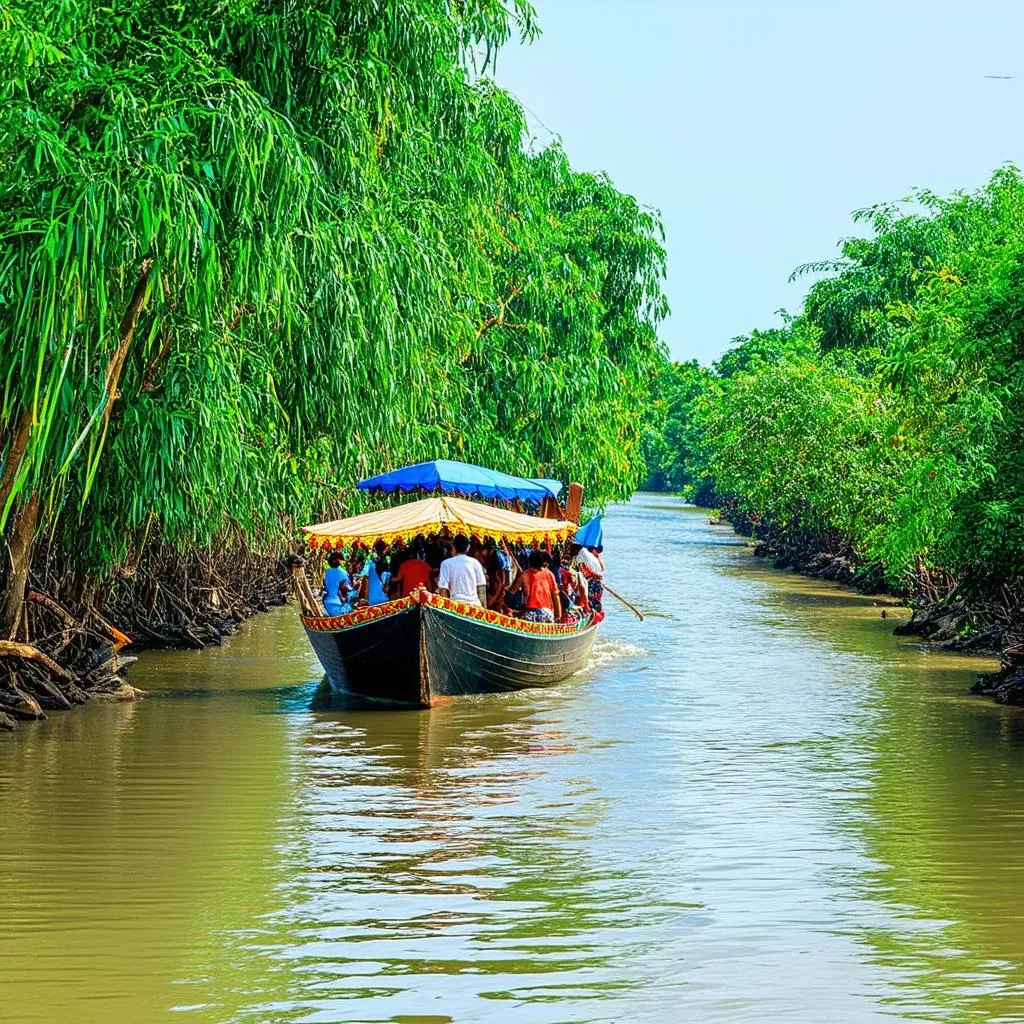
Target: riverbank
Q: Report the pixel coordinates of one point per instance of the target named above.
(967, 621)
(78, 638)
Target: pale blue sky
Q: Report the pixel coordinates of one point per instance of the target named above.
(757, 126)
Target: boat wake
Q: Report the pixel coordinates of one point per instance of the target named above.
(608, 650)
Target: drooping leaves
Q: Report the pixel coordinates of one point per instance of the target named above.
(349, 256)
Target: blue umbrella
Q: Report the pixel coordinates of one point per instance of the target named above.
(591, 535)
(461, 478)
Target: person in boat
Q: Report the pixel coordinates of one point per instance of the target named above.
(522, 557)
(571, 590)
(462, 578)
(505, 561)
(592, 565)
(413, 573)
(371, 586)
(338, 587)
(494, 570)
(434, 554)
(496, 586)
(383, 563)
(575, 580)
(540, 591)
(355, 574)
(513, 599)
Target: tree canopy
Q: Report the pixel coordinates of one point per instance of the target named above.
(890, 411)
(250, 252)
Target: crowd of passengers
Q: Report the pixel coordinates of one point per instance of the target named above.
(543, 584)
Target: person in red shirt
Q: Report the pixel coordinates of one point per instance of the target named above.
(540, 591)
(413, 573)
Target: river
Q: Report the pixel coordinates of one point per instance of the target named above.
(757, 804)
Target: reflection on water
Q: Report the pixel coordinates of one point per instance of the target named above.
(754, 805)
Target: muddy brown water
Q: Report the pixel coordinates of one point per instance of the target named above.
(756, 805)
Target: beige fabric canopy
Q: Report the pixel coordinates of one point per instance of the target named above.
(436, 515)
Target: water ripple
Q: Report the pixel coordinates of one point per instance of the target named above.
(755, 805)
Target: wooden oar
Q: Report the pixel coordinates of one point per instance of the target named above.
(632, 607)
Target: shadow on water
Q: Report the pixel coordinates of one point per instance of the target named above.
(320, 697)
(295, 699)
(291, 699)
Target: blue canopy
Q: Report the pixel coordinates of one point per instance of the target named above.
(461, 478)
(591, 535)
(554, 486)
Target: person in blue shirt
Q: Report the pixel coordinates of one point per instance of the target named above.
(337, 586)
(374, 584)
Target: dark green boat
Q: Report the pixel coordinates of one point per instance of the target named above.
(416, 649)
(425, 646)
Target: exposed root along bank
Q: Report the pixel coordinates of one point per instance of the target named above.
(1006, 686)
(69, 645)
(968, 616)
(60, 661)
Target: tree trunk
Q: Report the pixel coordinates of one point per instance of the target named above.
(15, 454)
(19, 551)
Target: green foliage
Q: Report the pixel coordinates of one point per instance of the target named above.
(672, 437)
(889, 415)
(805, 443)
(356, 260)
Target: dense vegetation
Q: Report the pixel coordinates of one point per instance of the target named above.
(671, 435)
(886, 420)
(251, 251)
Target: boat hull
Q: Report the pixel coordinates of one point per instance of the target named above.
(412, 651)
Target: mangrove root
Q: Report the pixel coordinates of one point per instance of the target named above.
(11, 649)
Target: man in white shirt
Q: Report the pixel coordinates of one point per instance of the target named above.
(462, 578)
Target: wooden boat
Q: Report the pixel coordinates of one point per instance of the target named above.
(414, 649)
(424, 646)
